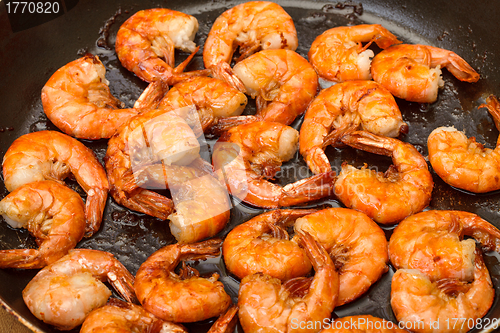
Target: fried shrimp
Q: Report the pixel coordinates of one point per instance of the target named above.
(145, 44)
(251, 26)
(246, 155)
(65, 292)
(338, 55)
(181, 298)
(362, 324)
(214, 99)
(77, 100)
(267, 305)
(432, 242)
(416, 298)
(53, 214)
(356, 244)
(463, 162)
(282, 82)
(344, 107)
(50, 155)
(413, 72)
(404, 189)
(262, 245)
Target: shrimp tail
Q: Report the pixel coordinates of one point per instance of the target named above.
(201, 250)
(313, 188)
(21, 258)
(124, 285)
(461, 69)
(152, 95)
(226, 323)
(224, 124)
(315, 252)
(94, 209)
(147, 202)
(493, 106)
(178, 74)
(224, 72)
(369, 142)
(182, 66)
(285, 217)
(299, 286)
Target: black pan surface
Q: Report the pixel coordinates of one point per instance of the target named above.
(29, 57)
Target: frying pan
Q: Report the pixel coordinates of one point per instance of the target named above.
(29, 57)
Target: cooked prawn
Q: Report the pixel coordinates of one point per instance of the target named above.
(185, 298)
(249, 153)
(283, 82)
(338, 55)
(146, 42)
(50, 155)
(53, 213)
(158, 150)
(267, 305)
(65, 292)
(463, 162)
(356, 244)
(432, 242)
(262, 245)
(417, 299)
(362, 324)
(344, 107)
(404, 189)
(77, 100)
(251, 26)
(214, 99)
(413, 72)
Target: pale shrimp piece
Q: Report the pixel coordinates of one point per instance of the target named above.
(416, 299)
(146, 42)
(387, 198)
(53, 214)
(262, 245)
(356, 244)
(413, 72)
(77, 100)
(251, 26)
(169, 160)
(463, 162)
(344, 107)
(338, 55)
(214, 99)
(362, 324)
(65, 292)
(186, 297)
(247, 154)
(267, 305)
(432, 242)
(50, 155)
(283, 82)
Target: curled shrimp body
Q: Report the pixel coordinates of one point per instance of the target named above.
(283, 82)
(248, 154)
(251, 26)
(65, 292)
(214, 99)
(77, 100)
(262, 245)
(171, 160)
(337, 54)
(53, 213)
(50, 155)
(146, 42)
(267, 305)
(413, 72)
(185, 298)
(404, 189)
(416, 298)
(362, 324)
(356, 244)
(342, 107)
(463, 162)
(432, 242)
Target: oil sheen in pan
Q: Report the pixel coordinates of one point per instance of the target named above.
(132, 237)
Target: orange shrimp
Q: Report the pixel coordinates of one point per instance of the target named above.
(338, 55)
(413, 72)
(248, 154)
(53, 213)
(50, 155)
(344, 107)
(185, 298)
